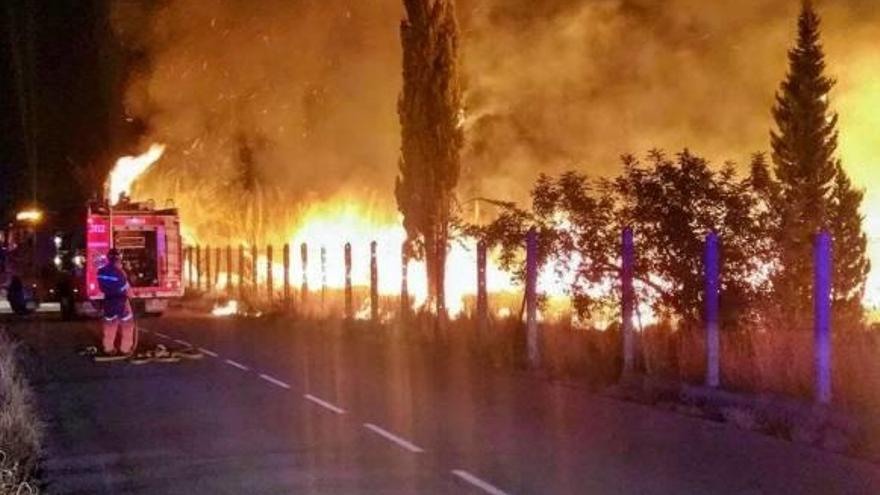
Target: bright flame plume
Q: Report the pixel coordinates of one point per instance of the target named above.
(129, 168)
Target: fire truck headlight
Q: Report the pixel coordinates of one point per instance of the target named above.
(57, 241)
(79, 260)
(58, 261)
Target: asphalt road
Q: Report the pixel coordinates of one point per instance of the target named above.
(279, 407)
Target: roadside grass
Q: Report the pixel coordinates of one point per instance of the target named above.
(20, 428)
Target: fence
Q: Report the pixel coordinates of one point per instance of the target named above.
(242, 280)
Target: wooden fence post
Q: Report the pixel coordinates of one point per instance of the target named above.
(711, 264)
(532, 298)
(349, 312)
(822, 273)
(482, 294)
(374, 283)
(628, 300)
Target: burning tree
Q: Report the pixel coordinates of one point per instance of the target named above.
(431, 137)
(813, 191)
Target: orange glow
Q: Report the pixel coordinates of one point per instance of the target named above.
(128, 169)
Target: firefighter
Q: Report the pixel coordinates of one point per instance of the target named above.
(117, 308)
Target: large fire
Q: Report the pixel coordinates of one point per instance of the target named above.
(128, 169)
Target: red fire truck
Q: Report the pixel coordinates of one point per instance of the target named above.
(46, 261)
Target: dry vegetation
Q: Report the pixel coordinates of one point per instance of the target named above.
(20, 430)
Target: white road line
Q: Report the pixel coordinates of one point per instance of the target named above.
(477, 482)
(160, 334)
(324, 404)
(394, 438)
(274, 381)
(183, 342)
(208, 352)
(237, 365)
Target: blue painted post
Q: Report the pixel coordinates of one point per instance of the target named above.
(628, 300)
(532, 298)
(711, 266)
(374, 283)
(822, 262)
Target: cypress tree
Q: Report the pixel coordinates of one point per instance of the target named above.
(814, 192)
(430, 113)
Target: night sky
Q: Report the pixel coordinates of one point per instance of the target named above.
(61, 79)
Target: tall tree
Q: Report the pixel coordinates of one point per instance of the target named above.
(810, 177)
(430, 113)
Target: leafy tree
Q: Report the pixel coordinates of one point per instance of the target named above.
(813, 190)
(672, 205)
(430, 113)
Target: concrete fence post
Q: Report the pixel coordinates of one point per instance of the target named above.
(712, 271)
(208, 268)
(404, 281)
(240, 272)
(228, 269)
(822, 272)
(198, 267)
(482, 293)
(270, 279)
(349, 312)
(255, 278)
(323, 277)
(218, 258)
(304, 259)
(374, 283)
(628, 300)
(532, 298)
(286, 261)
(189, 265)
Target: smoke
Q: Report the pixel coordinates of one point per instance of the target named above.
(294, 102)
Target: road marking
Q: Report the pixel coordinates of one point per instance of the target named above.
(143, 330)
(183, 342)
(237, 365)
(324, 404)
(160, 334)
(477, 482)
(394, 438)
(210, 353)
(274, 381)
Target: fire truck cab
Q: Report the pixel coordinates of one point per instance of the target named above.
(60, 263)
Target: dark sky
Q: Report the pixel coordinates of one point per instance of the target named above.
(61, 77)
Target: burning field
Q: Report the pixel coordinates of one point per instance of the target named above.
(278, 122)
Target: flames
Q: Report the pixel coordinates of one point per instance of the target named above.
(128, 169)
